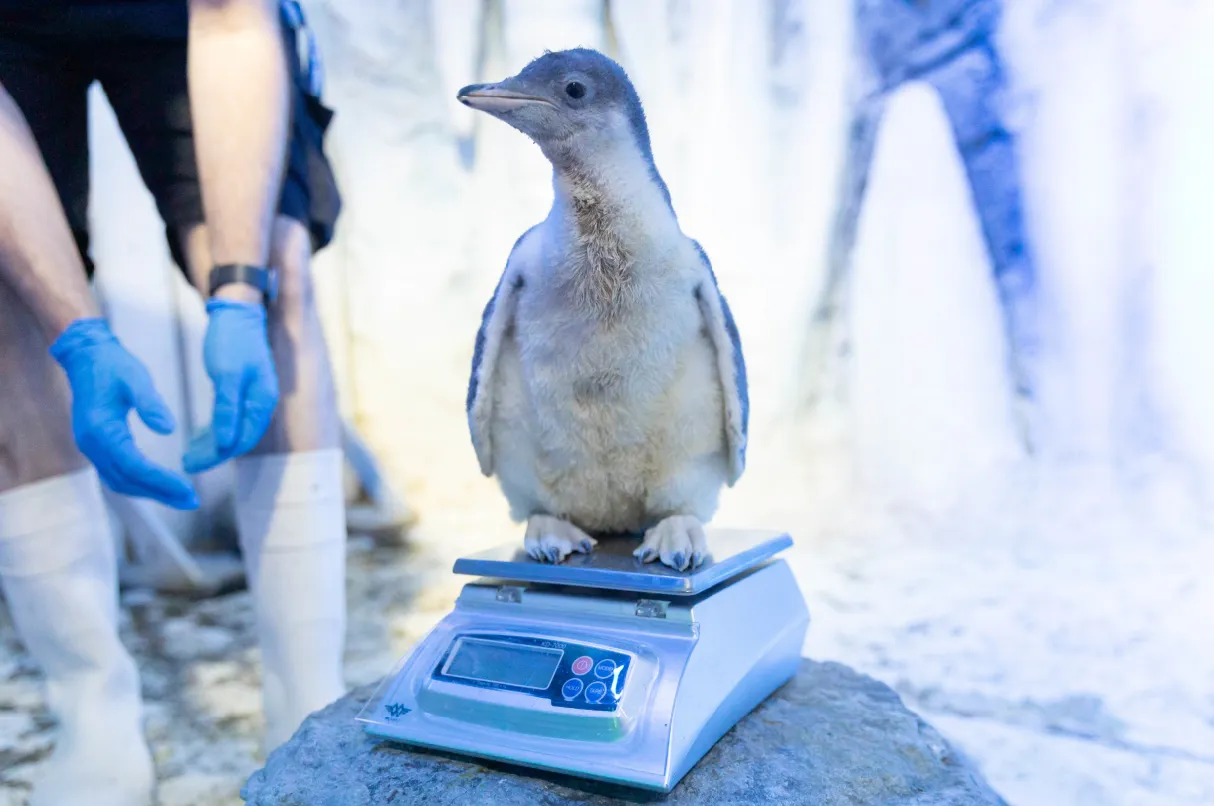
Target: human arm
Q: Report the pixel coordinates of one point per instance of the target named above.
(239, 103)
(240, 106)
(40, 262)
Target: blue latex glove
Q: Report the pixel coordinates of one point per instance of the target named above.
(107, 382)
(237, 356)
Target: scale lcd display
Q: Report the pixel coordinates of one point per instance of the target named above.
(503, 662)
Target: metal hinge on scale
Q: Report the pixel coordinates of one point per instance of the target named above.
(651, 608)
(645, 608)
(511, 594)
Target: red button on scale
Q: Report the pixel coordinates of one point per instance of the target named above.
(582, 665)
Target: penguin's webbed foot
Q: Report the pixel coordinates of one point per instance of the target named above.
(551, 539)
(678, 541)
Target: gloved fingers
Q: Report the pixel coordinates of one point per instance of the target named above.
(133, 474)
(201, 455)
(108, 473)
(260, 401)
(162, 485)
(239, 361)
(225, 420)
(96, 442)
(147, 480)
(148, 402)
(253, 429)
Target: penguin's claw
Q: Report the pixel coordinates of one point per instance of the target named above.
(552, 539)
(678, 541)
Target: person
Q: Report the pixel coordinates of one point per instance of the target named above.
(220, 107)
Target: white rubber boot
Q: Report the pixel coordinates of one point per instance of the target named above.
(61, 582)
(290, 511)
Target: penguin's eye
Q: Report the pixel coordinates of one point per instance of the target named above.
(575, 89)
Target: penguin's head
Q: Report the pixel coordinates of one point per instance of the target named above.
(572, 103)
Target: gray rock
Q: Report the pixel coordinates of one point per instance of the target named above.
(831, 736)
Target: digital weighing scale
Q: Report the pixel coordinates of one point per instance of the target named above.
(600, 666)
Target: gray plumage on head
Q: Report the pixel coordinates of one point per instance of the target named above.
(560, 100)
(608, 389)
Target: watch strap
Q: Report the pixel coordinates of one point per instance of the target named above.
(260, 277)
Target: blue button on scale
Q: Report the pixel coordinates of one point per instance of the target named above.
(572, 688)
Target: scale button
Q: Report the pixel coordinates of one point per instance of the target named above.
(582, 665)
(572, 688)
(595, 691)
(606, 668)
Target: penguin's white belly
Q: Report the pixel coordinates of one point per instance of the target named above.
(612, 431)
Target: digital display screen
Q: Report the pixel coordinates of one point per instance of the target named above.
(503, 662)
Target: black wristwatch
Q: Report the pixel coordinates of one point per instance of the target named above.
(263, 278)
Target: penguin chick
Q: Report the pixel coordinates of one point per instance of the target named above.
(608, 391)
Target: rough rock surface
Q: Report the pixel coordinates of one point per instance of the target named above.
(831, 736)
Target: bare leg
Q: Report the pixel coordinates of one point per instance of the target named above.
(60, 579)
(35, 416)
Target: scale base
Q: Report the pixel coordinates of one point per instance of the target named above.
(696, 664)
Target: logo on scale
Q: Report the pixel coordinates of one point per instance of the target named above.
(396, 710)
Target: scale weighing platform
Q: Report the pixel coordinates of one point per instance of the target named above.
(600, 666)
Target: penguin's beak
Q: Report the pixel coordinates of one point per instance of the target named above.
(497, 98)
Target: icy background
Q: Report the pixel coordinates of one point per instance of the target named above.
(968, 248)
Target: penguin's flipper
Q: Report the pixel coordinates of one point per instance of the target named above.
(730, 364)
(496, 320)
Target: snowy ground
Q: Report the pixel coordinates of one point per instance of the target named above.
(1057, 636)
(1056, 631)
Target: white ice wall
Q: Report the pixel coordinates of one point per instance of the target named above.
(1107, 98)
(1113, 106)
(932, 403)
(1181, 306)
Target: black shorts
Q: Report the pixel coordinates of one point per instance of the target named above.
(143, 73)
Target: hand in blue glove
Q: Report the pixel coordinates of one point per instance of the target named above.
(237, 356)
(107, 382)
